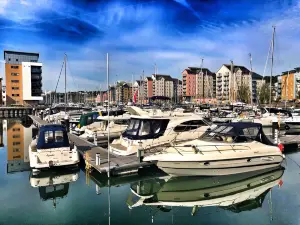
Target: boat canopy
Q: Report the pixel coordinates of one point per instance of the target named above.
(88, 118)
(143, 128)
(52, 136)
(236, 132)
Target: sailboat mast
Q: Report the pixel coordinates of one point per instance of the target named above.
(272, 62)
(286, 89)
(201, 74)
(251, 78)
(65, 82)
(231, 91)
(108, 120)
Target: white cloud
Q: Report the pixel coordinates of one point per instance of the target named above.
(24, 2)
(3, 5)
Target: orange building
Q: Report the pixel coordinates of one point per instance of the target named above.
(23, 75)
(188, 84)
(288, 85)
(18, 140)
(15, 141)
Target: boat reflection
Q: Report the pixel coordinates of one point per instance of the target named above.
(239, 192)
(54, 183)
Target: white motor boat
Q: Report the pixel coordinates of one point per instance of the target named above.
(52, 148)
(99, 129)
(239, 192)
(223, 150)
(154, 131)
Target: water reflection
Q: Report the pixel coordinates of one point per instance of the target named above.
(18, 140)
(239, 192)
(53, 184)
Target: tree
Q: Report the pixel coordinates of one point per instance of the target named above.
(244, 93)
(264, 94)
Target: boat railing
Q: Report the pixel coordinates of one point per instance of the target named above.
(198, 150)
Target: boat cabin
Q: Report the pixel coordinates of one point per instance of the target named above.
(52, 136)
(151, 128)
(236, 133)
(87, 119)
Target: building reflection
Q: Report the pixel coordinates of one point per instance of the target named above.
(53, 184)
(1, 134)
(18, 140)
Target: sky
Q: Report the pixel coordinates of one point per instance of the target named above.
(137, 34)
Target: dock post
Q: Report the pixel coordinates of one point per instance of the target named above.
(275, 132)
(67, 123)
(95, 138)
(140, 153)
(98, 159)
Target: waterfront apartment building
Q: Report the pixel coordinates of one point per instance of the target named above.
(177, 90)
(198, 83)
(23, 74)
(148, 87)
(227, 82)
(188, 84)
(163, 85)
(123, 92)
(290, 84)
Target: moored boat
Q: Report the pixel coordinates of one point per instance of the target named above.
(52, 148)
(223, 150)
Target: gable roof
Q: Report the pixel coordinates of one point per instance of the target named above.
(139, 82)
(149, 78)
(161, 76)
(236, 68)
(256, 76)
(197, 70)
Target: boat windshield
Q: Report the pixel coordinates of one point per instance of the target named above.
(231, 134)
(145, 128)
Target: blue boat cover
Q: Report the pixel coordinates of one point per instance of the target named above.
(52, 136)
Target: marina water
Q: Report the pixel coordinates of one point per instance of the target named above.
(76, 197)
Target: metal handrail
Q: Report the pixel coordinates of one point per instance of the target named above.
(216, 146)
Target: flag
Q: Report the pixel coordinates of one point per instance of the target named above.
(135, 95)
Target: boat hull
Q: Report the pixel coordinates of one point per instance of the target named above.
(220, 167)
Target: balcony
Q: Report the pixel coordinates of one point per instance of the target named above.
(36, 77)
(36, 70)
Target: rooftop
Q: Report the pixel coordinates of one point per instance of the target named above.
(19, 52)
(237, 67)
(161, 76)
(197, 70)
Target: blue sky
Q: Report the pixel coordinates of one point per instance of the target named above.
(174, 34)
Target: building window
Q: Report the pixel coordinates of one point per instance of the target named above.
(17, 60)
(16, 143)
(14, 67)
(16, 150)
(15, 95)
(8, 59)
(15, 81)
(17, 157)
(15, 88)
(16, 129)
(16, 136)
(15, 74)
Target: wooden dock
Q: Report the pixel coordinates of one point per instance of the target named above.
(118, 164)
